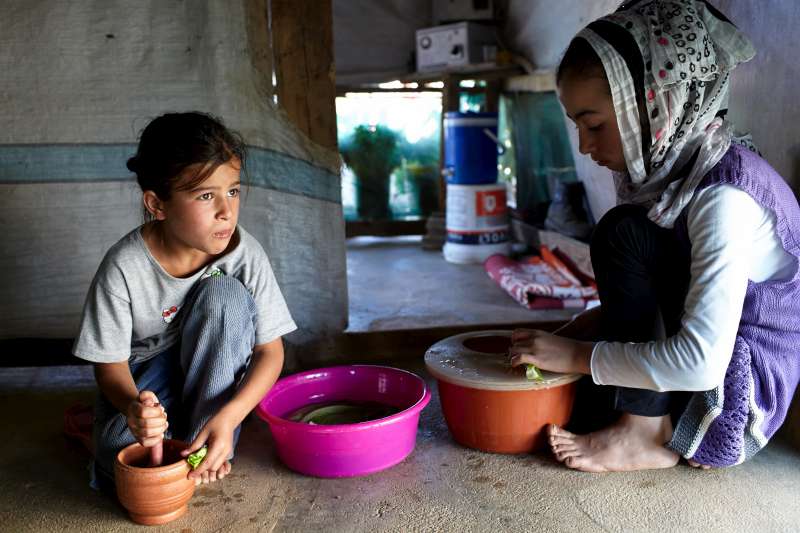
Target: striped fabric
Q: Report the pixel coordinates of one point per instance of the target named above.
(85, 163)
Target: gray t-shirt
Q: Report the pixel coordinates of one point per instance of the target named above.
(130, 311)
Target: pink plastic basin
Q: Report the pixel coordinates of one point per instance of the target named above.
(348, 449)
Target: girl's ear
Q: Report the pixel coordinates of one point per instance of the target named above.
(154, 205)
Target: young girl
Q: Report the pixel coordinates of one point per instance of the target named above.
(184, 318)
(697, 269)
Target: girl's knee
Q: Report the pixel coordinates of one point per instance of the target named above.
(619, 223)
(218, 292)
(221, 287)
(621, 216)
(219, 323)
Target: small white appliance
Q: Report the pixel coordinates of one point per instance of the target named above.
(455, 46)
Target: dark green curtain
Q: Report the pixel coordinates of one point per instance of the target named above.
(537, 153)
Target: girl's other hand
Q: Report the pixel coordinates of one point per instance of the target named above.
(550, 352)
(218, 436)
(147, 419)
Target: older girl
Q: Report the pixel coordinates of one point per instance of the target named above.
(696, 269)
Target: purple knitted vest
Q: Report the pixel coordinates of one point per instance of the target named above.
(729, 424)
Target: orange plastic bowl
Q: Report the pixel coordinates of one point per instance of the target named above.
(489, 407)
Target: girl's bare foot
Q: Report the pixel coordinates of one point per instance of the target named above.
(698, 465)
(632, 443)
(210, 476)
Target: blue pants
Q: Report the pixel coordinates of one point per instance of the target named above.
(193, 379)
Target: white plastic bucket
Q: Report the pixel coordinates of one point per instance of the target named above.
(476, 222)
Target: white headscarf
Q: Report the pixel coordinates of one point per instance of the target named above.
(672, 59)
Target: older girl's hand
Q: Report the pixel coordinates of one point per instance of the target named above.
(550, 352)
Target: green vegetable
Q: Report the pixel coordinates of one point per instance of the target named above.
(533, 373)
(197, 457)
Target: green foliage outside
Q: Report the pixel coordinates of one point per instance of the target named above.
(372, 154)
(380, 158)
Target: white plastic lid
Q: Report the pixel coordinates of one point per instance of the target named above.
(479, 360)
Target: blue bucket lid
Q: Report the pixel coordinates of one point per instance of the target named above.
(458, 114)
(455, 118)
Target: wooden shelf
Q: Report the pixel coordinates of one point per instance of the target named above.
(342, 90)
(537, 82)
(480, 71)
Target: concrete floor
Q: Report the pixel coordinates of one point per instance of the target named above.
(441, 486)
(394, 284)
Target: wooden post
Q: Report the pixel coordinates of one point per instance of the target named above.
(450, 102)
(493, 88)
(302, 43)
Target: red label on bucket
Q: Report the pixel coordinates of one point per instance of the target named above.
(489, 203)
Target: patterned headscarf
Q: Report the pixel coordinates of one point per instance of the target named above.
(671, 60)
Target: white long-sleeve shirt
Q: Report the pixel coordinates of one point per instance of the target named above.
(733, 240)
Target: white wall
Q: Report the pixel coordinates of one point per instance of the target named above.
(541, 30)
(374, 39)
(764, 92)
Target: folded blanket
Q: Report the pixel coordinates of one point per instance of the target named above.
(542, 282)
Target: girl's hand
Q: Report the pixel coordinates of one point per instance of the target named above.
(550, 352)
(218, 436)
(147, 419)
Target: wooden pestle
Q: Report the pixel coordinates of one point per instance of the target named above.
(157, 450)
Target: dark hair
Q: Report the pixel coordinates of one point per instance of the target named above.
(178, 151)
(580, 58)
